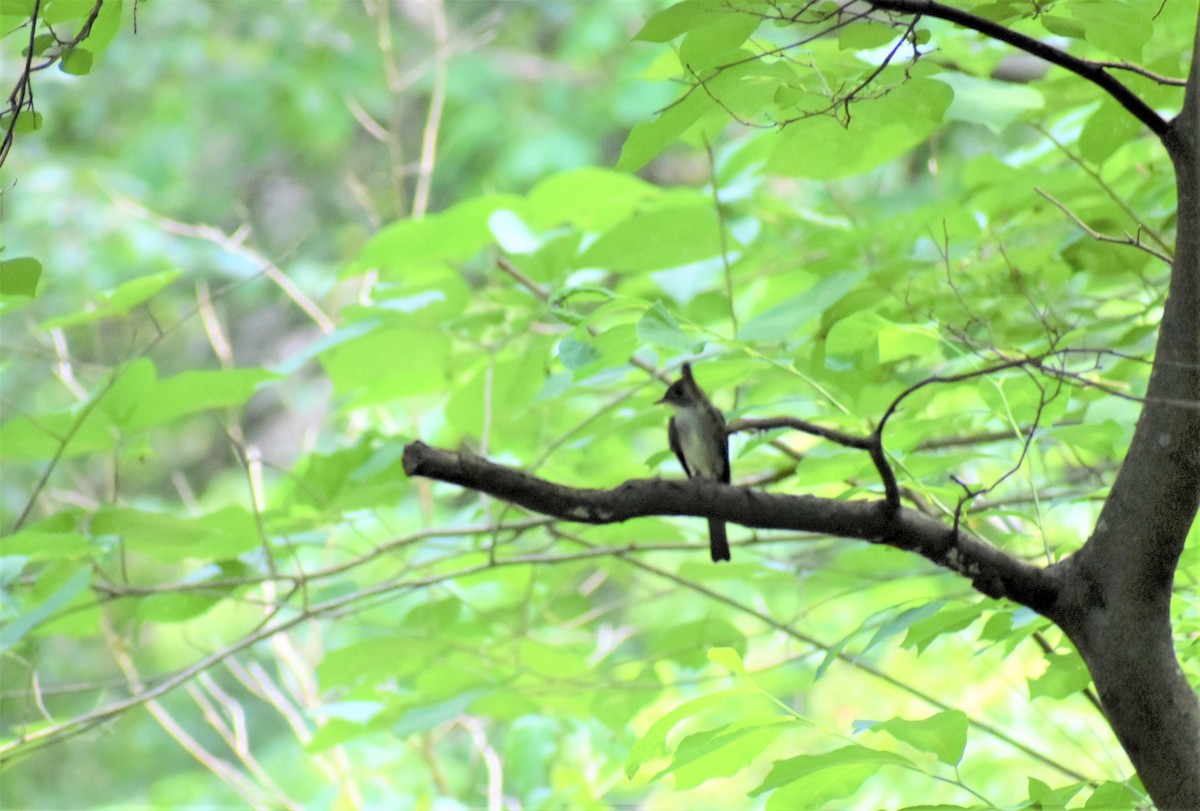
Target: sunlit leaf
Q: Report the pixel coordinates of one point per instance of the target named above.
(19, 277)
(943, 734)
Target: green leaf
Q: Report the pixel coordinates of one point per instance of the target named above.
(42, 544)
(949, 619)
(431, 716)
(591, 199)
(681, 18)
(138, 291)
(647, 139)
(42, 45)
(191, 392)
(358, 476)
(120, 299)
(1062, 27)
(19, 277)
(728, 658)
(16, 630)
(659, 328)
(106, 26)
(827, 776)
(511, 386)
(453, 235)
(376, 659)
(1106, 130)
(61, 11)
(902, 622)
(899, 341)
(820, 148)
(865, 35)
(1045, 798)
(368, 366)
(226, 533)
(781, 321)
(1011, 399)
(1110, 796)
(1065, 675)
(943, 734)
(722, 752)
(26, 122)
(434, 616)
(76, 62)
(654, 742)
(1101, 438)
(1119, 27)
(175, 607)
(991, 103)
(831, 656)
(657, 239)
(17, 8)
(576, 354)
(856, 332)
(553, 661)
(819, 788)
(716, 42)
(1002, 11)
(688, 642)
(42, 437)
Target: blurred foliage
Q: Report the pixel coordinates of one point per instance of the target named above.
(252, 252)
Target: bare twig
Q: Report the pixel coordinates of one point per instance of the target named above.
(437, 102)
(1091, 232)
(233, 244)
(1173, 81)
(1117, 199)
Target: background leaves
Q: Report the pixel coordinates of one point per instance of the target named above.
(203, 484)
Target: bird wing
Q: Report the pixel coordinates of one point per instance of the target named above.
(673, 440)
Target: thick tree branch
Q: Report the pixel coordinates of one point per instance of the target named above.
(1091, 71)
(992, 571)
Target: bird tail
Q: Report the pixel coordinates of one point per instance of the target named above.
(718, 543)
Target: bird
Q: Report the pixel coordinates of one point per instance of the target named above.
(696, 433)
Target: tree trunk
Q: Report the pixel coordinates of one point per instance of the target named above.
(1116, 601)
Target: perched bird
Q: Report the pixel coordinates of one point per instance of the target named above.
(697, 436)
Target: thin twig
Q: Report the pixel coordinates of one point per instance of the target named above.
(433, 119)
(1087, 229)
(233, 244)
(1141, 71)
(1109, 191)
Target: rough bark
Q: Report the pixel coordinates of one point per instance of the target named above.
(992, 571)
(1116, 606)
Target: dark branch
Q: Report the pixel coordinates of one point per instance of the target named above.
(862, 443)
(993, 572)
(1091, 71)
(873, 444)
(20, 99)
